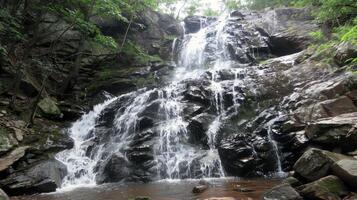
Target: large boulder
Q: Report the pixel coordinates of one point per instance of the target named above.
(315, 163)
(45, 176)
(194, 23)
(327, 188)
(339, 130)
(346, 170)
(49, 108)
(282, 192)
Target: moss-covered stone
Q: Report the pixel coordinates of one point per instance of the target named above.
(49, 107)
(329, 188)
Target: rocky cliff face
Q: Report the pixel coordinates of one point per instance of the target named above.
(26, 152)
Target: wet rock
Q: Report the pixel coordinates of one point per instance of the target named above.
(12, 157)
(315, 163)
(345, 51)
(114, 169)
(198, 127)
(237, 157)
(141, 198)
(3, 195)
(338, 130)
(199, 189)
(45, 176)
(49, 108)
(282, 192)
(327, 188)
(294, 182)
(194, 23)
(346, 170)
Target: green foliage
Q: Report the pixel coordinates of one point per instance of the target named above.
(318, 36)
(209, 12)
(232, 4)
(10, 27)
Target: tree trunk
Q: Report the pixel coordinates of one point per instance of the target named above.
(126, 32)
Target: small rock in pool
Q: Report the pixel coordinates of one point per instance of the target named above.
(223, 198)
(199, 188)
(239, 188)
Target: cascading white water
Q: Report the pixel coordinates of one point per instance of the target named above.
(78, 164)
(175, 158)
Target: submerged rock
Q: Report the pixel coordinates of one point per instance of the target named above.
(199, 189)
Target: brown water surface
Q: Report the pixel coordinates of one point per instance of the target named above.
(164, 190)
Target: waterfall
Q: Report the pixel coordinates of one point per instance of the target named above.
(149, 127)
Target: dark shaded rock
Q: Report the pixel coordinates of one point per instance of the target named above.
(27, 89)
(237, 157)
(327, 188)
(282, 192)
(43, 177)
(346, 170)
(315, 163)
(114, 169)
(199, 189)
(194, 23)
(198, 127)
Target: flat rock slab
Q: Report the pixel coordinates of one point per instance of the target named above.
(346, 170)
(13, 156)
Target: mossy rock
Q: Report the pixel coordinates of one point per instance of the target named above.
(49, 108)
(329, 187)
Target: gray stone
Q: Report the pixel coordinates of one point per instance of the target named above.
(282, 192)
(346, 170)
(292, 181)
(45, 176)
(315, 163)
(327, 188)
(49, 107)
(12, 157)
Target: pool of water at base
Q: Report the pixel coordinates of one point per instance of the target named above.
(165, 190)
